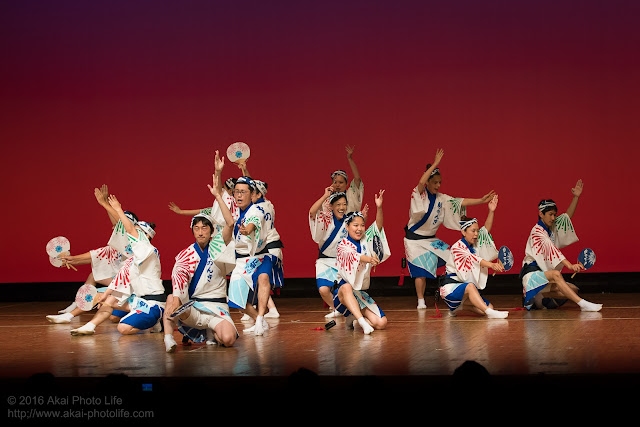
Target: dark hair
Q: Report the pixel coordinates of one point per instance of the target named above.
(338, 197)
(152, 225)
(437, 172)
(204, 221)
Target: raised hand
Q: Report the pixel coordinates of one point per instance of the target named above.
(487, 197)
(102, 200)
(365, 211)
(214, 188)
(115, 204)
(105, 191)
(349, 150)
(378, 198)
(493, 204)
(218, 162)
(438, 157)
(577, 190)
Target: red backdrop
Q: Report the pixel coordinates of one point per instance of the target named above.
(525, 98)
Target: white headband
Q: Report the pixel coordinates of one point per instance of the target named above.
(546, 204)
(341, 173)
(260, 186)
(435, 171)
(144, 226)
(194, 220)
(466, 224)
(351, 216)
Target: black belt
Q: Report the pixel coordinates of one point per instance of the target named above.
(158, 297)
(413, 236)
(528, 268)
(221, 300)
(272, 245)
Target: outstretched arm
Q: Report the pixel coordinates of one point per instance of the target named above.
(354, 168)
(176, 209)
(318, 204)
(576, 191)
(484, 199)
(227, 231)
(128, 225)
(427, 174)
(493, 204)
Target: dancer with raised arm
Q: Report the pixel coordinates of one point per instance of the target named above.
(428, 210)
(467, 267)
(360, 252)
(198, 278)
(543, 262)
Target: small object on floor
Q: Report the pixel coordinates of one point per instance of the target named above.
(330, 325)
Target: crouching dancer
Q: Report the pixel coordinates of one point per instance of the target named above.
(137, 288)
(360, 252)
(468, 267)
(198, 279)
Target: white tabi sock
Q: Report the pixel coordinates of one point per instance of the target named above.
(88, 329)
(170, 343)
(273, 313)
(259, 326)
(366, 327)
(60, 318)
(421, 303)
(589, 306)
(495, 314)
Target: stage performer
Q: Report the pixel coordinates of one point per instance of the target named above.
(326, 222)
(272, 311)
(468, 265)
(543, 262)
(137, 288)
(428, 210)
(198, 278)
(354, 190)
(258, 255)
(105, 261)
(357, 254)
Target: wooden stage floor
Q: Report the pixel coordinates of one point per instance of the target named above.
(562, 349)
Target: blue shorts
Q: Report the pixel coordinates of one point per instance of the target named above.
(119, 313)
(341, 308)
(454, 299)
(141, 320)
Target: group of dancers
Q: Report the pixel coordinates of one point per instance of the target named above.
(236, 260)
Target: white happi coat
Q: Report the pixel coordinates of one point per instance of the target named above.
(211, 280)
(107, 261)
(350, 269)
(251, 249)
(544, 249)
(324, 233)
(358, 274)
(464, 266)
(229, 255)
(443, 210)
(140, 273)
